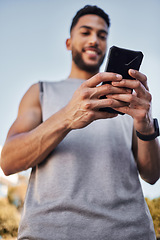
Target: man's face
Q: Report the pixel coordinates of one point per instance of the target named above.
(89, 42)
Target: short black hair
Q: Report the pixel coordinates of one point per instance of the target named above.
(89, 9)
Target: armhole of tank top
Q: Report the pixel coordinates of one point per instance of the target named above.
(41, 87)
(41, 90)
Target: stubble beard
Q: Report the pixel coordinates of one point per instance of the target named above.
(78, 60)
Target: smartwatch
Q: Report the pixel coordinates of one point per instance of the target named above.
(151, 136)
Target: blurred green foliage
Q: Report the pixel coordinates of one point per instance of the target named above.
(154, 207)
(10, 209)
(9, 219)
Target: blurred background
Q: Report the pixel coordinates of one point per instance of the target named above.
(32, 48)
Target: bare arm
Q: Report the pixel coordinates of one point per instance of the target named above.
(147, 153)
(29, 141)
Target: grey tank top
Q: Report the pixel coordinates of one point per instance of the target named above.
(88, 187)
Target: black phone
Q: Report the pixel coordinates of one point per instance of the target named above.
(119, 61)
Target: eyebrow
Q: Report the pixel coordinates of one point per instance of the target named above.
(90, 28)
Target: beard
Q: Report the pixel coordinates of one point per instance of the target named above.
(78, 60)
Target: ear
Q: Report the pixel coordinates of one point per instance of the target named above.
(68, 43)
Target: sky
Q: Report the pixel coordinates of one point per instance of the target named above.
(32, 48)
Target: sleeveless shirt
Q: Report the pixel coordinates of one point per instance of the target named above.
(88, 187)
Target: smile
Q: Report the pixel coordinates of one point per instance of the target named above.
(91, 50)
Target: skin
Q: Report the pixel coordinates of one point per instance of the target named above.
(29, 140)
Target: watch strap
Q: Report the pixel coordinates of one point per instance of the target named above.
(151, 136)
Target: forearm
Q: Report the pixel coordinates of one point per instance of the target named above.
(29, 142)
(25, 150)
(148, 160)
(147, 153)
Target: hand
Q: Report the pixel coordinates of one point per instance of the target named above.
(85, 103)
(139, 101)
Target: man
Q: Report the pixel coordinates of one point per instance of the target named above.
(84, 182)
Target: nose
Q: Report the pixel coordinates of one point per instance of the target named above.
(93, 40)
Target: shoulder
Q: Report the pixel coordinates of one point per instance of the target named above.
(33, 90)
(30, 98)
(29, 112)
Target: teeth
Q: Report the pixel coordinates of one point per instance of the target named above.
(91, 52)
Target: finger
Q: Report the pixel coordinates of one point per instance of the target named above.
(134, 101)
(140, 76)
(124, 97)
(125, 110)
(102, 103)
(102, 77)
(135, 113)
(107, 89)
(127, 83)
(104, 115)
(136, 85)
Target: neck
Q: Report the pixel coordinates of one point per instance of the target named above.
(79, 73)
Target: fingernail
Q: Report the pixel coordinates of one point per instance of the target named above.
(132, 71)
(115, 84)
(118, 76)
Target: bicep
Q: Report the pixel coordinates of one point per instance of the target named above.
(29, 113)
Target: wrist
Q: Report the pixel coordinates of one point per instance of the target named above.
(145, 125)
(152, 132)
(66, 120)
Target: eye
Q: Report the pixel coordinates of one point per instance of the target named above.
(102, 36)
(85, 33)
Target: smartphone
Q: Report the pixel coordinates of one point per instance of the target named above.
(120, 60)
